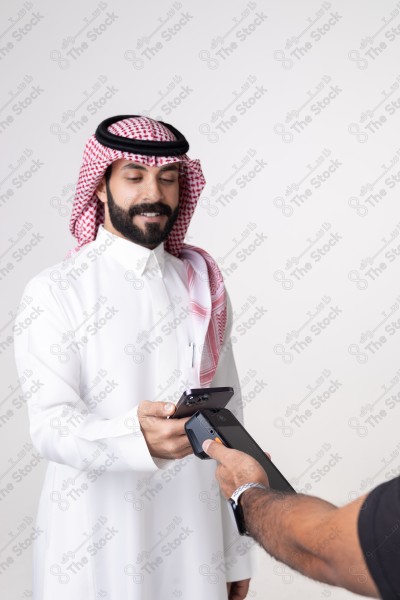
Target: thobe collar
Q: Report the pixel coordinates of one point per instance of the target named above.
(132, 256)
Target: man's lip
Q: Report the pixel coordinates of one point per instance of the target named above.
(156, 218)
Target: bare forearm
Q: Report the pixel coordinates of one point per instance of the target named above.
(310, 535)
(292, 528)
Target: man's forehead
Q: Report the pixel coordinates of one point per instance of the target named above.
(125, 165)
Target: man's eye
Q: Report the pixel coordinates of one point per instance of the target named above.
(167, 180)
(133, 178)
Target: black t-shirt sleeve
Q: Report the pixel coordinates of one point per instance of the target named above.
(379, 534)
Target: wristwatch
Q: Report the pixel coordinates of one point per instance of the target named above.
(237, 509)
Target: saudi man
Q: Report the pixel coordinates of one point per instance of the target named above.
(129, 321)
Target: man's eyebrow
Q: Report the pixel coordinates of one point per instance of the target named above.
(172, 167)
(134, 166)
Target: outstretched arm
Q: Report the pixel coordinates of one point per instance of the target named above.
(308, 534)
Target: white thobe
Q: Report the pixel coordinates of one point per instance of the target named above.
(107, 329)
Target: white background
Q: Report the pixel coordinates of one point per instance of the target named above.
(292, 108)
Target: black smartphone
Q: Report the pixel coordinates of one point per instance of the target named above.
(223, 426)
(200, 398)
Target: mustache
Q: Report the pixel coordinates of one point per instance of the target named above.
(158, 207)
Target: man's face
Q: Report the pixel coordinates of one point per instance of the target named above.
(141, 203)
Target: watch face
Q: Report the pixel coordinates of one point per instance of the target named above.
(239, 517)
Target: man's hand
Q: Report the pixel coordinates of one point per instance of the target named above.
(238, 590)
(165, 438)
(235, 468)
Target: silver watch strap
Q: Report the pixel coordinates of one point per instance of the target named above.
(237, 493)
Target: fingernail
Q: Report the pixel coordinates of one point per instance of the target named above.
(206, 445)
(168, 407)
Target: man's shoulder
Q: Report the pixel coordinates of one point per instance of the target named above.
(56, 275)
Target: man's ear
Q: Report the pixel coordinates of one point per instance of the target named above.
(101, 191)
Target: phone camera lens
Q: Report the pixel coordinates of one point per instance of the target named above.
(211, 430)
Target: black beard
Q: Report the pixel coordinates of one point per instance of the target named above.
(153, 234)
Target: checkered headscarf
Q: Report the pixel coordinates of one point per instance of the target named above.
(204, 276)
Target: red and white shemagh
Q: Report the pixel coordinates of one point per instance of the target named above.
(204, 276)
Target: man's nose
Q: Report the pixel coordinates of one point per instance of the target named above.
(153, 190)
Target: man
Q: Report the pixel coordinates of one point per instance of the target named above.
(356, 547)
(128, 322)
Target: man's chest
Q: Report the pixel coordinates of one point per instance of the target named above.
(134, 331)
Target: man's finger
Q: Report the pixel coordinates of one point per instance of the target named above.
(215, 450)
(155, 409)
